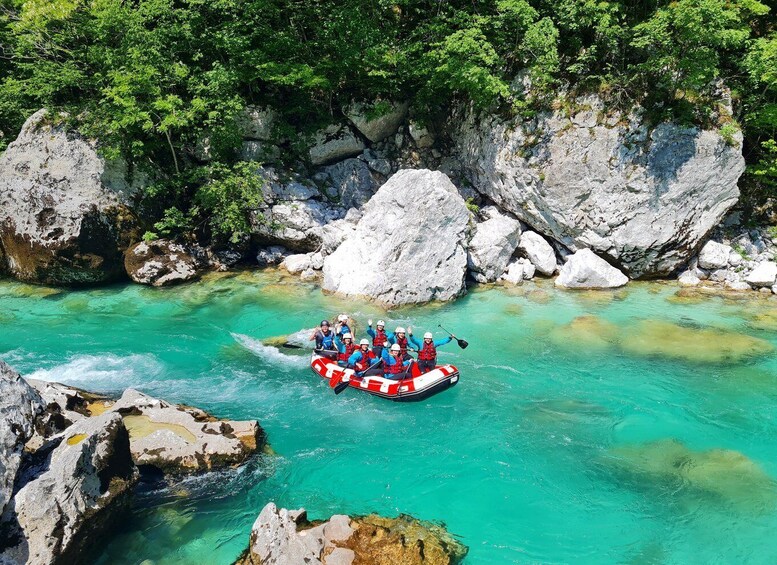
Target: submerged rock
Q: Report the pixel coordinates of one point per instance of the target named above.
(163, 262)
(725, 475)
(408, 247)
(664, 339)
(180, 439)
(645, 197)
(286, 537)
(584, 269)
(20, 406)
(66, 210)
(490, 249)
(89, 474)
(585, 334)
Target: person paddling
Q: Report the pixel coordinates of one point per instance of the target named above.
(427, 351)
(363, 359)
(378, 335)
(345, 348)
(324, 336)
(394, 366)
(399, 338)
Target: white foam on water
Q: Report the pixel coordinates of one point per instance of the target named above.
(270, 353)
(302, 338)
(102, 371)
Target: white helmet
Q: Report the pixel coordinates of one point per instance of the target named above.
(347, 335)
(381, 323)
(428, 335)
(342, 318)
(364, 342)
(399, 330)
(395, 347)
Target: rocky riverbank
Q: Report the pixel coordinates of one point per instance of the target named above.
(71, 459)
(389, 210)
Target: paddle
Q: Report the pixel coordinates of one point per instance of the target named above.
(462, 342)
(344, 384)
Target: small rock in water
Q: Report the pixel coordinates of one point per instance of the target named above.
(584, 269)
(764, 274)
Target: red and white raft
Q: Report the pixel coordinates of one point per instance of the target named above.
(418, 387)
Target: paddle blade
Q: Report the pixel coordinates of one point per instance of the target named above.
(341, 387)
(463, 343)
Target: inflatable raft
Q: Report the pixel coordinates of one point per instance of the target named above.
(418, 387)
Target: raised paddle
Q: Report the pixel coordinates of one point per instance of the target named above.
(344, 384)
(463, 343)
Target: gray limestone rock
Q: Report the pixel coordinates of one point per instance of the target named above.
(296, 225)
(764, 275)
(89, 474)
(352, 181)
(334, 143)
(163, 262)
(584, 269)
(643, 197)
(65, 211)
(715, 255)
(490, 249)
(20, 406)
(537, 250)
(295, 264)
(272, 255)
(180, 439)
(415, 228)
(373, 121)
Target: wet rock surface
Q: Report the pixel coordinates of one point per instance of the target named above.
(179, 439)
(408, 247)
(66, 210)
(70, 502)
(492, 246)
(286, 537)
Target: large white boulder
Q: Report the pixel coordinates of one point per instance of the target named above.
(584, 269)
(408, 247)
(297, 224)
(88, 475)
(715, 255)
(537, 250)
(643, 196)
(764, 275)
(493, 244)
(20, 405)
(65, 215)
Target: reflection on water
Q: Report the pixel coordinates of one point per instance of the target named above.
(633, 426)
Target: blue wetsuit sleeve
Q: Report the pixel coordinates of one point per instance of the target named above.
(412, 339)
(387, 359)
(443, 341)
(391, 338)
(339, 344)
(355, 357)
(371, 333)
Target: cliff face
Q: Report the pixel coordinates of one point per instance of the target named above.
(645, 198)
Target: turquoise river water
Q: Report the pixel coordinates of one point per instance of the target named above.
(635, 426)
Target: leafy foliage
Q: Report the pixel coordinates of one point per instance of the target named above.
(153, 78)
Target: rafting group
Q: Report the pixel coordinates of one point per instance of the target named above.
(384, 354)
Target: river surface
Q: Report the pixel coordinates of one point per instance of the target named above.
(634, 426)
